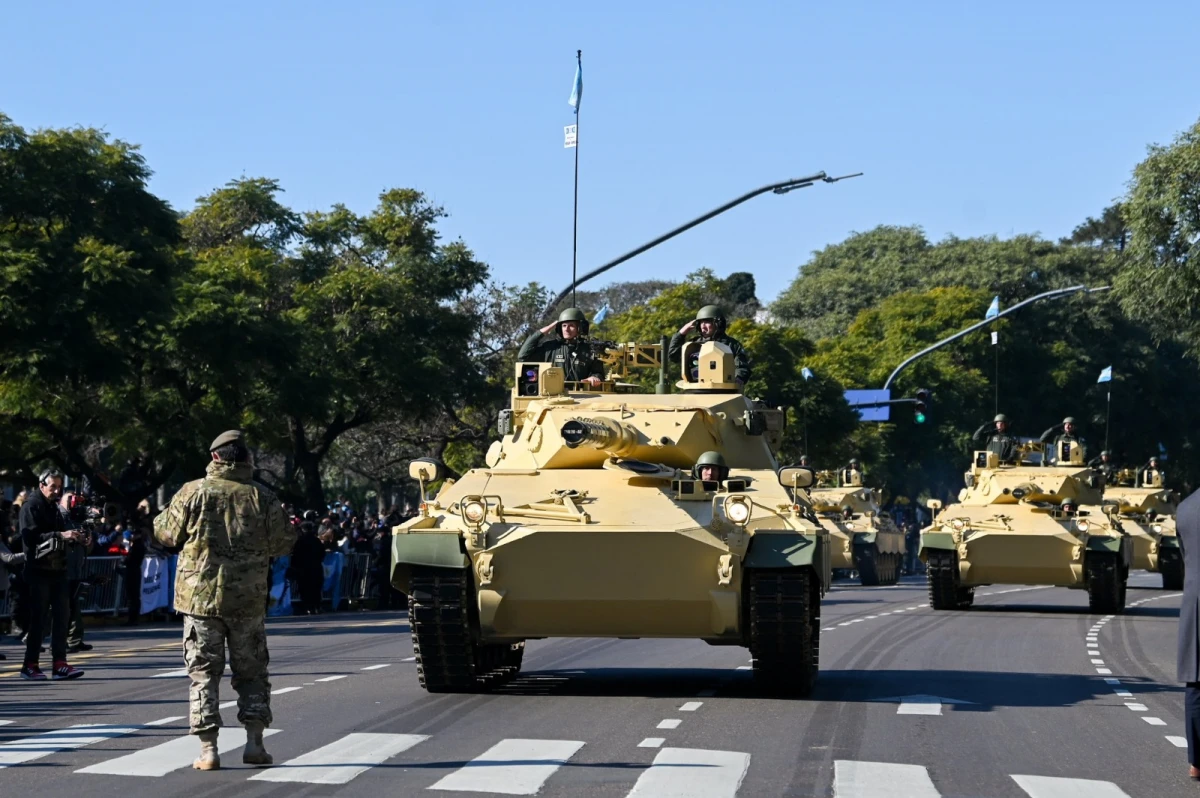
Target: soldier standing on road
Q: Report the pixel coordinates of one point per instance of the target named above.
(998, 440)
(1069, 434)
(1187, 522)
(226, 528)
(566, 348)
(710, 323)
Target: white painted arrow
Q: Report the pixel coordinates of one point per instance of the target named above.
(921, 704)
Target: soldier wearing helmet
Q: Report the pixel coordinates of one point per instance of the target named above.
(1152, 474)
(710, 324)
(1106, 464)
(1068, 507)
(998, 440)
(1069, 434)
(852, 474)
(710, 467)
(564, 345)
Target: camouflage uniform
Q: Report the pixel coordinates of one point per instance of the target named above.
(228, 528)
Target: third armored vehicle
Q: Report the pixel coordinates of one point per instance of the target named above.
(1028, 523)
(1148, 514)
(591, 520)
(862, 536)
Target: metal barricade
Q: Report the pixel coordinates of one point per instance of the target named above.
(107, 579)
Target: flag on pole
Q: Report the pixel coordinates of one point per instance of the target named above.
(602, 313)
(577, 89)
(1106, 375)
(807, 372)
(993, 309)
(995, 337)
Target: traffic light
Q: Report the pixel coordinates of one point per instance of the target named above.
(920, 405)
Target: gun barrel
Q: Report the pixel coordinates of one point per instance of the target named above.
(599, 433)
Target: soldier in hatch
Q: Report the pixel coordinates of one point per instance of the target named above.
(1152, 475)
(710, 324)
(1069, 434)
(998, 440)
(1106, 464)
(226, 529)
(710, 467)
(566, 348)
(852, 474)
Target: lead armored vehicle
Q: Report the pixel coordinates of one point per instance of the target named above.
(1148, 515)
(1028, 523)
(590, 520)
(862, 537)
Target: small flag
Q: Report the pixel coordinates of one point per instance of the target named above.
(1106, 375)
(577, 89)
(993, 309)
(995, 337)
(807, 372)
(602, 313)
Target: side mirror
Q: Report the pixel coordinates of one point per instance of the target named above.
(934, 504)
(426, 469)
(1110, 508)
(796, 477)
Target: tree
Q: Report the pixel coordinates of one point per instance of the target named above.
(88, 264)
(1108, 232)
(1160, 282)
(619, 297)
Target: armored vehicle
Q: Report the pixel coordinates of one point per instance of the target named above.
(862, 537)
(1148, 515)
(590, 520)
(1028, 522)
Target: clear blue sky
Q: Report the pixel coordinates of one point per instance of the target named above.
(967, 118)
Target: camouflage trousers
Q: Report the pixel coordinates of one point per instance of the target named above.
(204, 642)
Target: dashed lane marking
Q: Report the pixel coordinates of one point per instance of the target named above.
(669, 723)
(377, 667)
(283, 690)
(1155, 721)
(652, 742)
(332, 678)
(1178, 742)
(691, 706)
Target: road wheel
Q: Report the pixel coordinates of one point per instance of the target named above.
(785, 621)
(1106, 587)
(945, 592)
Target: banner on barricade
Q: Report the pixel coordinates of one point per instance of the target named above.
(154, 584)
(334, 563)
(279, 597)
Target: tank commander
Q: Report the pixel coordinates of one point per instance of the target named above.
(710, 467)
(710, 323)
(1152, 474)
(1069, 434)
(1106, 464)
(804, 461)
(563, 345)
(998, 441)
(1068, 508)
(852, 474)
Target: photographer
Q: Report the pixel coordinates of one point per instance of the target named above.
(78, 517)
(45, 539)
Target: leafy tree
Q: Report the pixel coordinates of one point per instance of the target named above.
(619, 297)
(1110, 231)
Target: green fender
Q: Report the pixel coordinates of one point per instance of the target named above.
(787, 550)
(1099, 543)
(439, 550)
(937, 540)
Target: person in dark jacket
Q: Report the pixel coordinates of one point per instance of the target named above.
(133, 572)
(307, 557)
(1187, 522)
(8, 562)
(566, 348)
(710, 324)
(44, 539)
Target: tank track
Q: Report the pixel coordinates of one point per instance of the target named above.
(945, 592)
(874, 568)
(449, 656)
(784, 629)
(1171, 566)
(1105, 583)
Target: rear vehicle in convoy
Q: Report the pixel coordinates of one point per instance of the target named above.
(1148, 514)
(1028, 523)
(863, 537)
(591, 520)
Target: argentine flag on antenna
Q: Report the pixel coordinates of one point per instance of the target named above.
(577, 88)
(993, 309)
(1106, 375)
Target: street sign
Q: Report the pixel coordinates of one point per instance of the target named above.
(570, 134)
(868, 397)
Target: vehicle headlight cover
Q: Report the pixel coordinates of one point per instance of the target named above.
(1082, 525)
(737, 509)
(1157, 529)
(958, 524)
(474, 511)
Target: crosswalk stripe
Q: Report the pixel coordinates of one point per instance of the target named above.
(159, 760)
(5, 722)
(341, 761)
(1050, 787)
(692, 773)
(511, 767)
(881, 780)
(27, 749)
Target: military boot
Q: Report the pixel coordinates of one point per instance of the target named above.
(208, 759)
(255, 753)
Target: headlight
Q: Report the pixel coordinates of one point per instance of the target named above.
(1082, 525)
(1157, 529)
(958, 524)
(474, 512)
(737, 509)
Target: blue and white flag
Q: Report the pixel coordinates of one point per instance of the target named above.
(807, 372)
(1106, 375)
(602, 313)
(993, 309)
(577, 89)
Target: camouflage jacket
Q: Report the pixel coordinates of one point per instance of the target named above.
(228, 528)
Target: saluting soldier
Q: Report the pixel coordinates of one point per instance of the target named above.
(1106, 464)
(710, 323)
(998, 440)
(226, 528)
(1067, 431)
(566, 348)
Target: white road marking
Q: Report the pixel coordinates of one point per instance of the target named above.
(512, 767)
(341, 761)
(847, 623)
(1137, 707)
(881, 780)
(1050, 787)
(692, 773)
(743, 667)
(377, 667)
(1155, 721)
(872, 617)
(165, 721)
(27, 749)
(652, 742)
(227, 704)
(1113, 681)
(5, 722)
(1123, 693)
(913, 608)
(409, 659)
(283, 690)
(171, 674)
(332, 678)
(1103, 670)
(1178, 742)
(159, 760)
(669, 723)
(691, 706)
(828, 629)
(1097, 662)
(1093, 652)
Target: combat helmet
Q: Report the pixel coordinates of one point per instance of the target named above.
(573, 314)
(1000, 417)
(714, 314)
(1069, 420)
(711, 458)
(1068, 505)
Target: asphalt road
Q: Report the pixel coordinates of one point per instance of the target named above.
(1008, 699)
